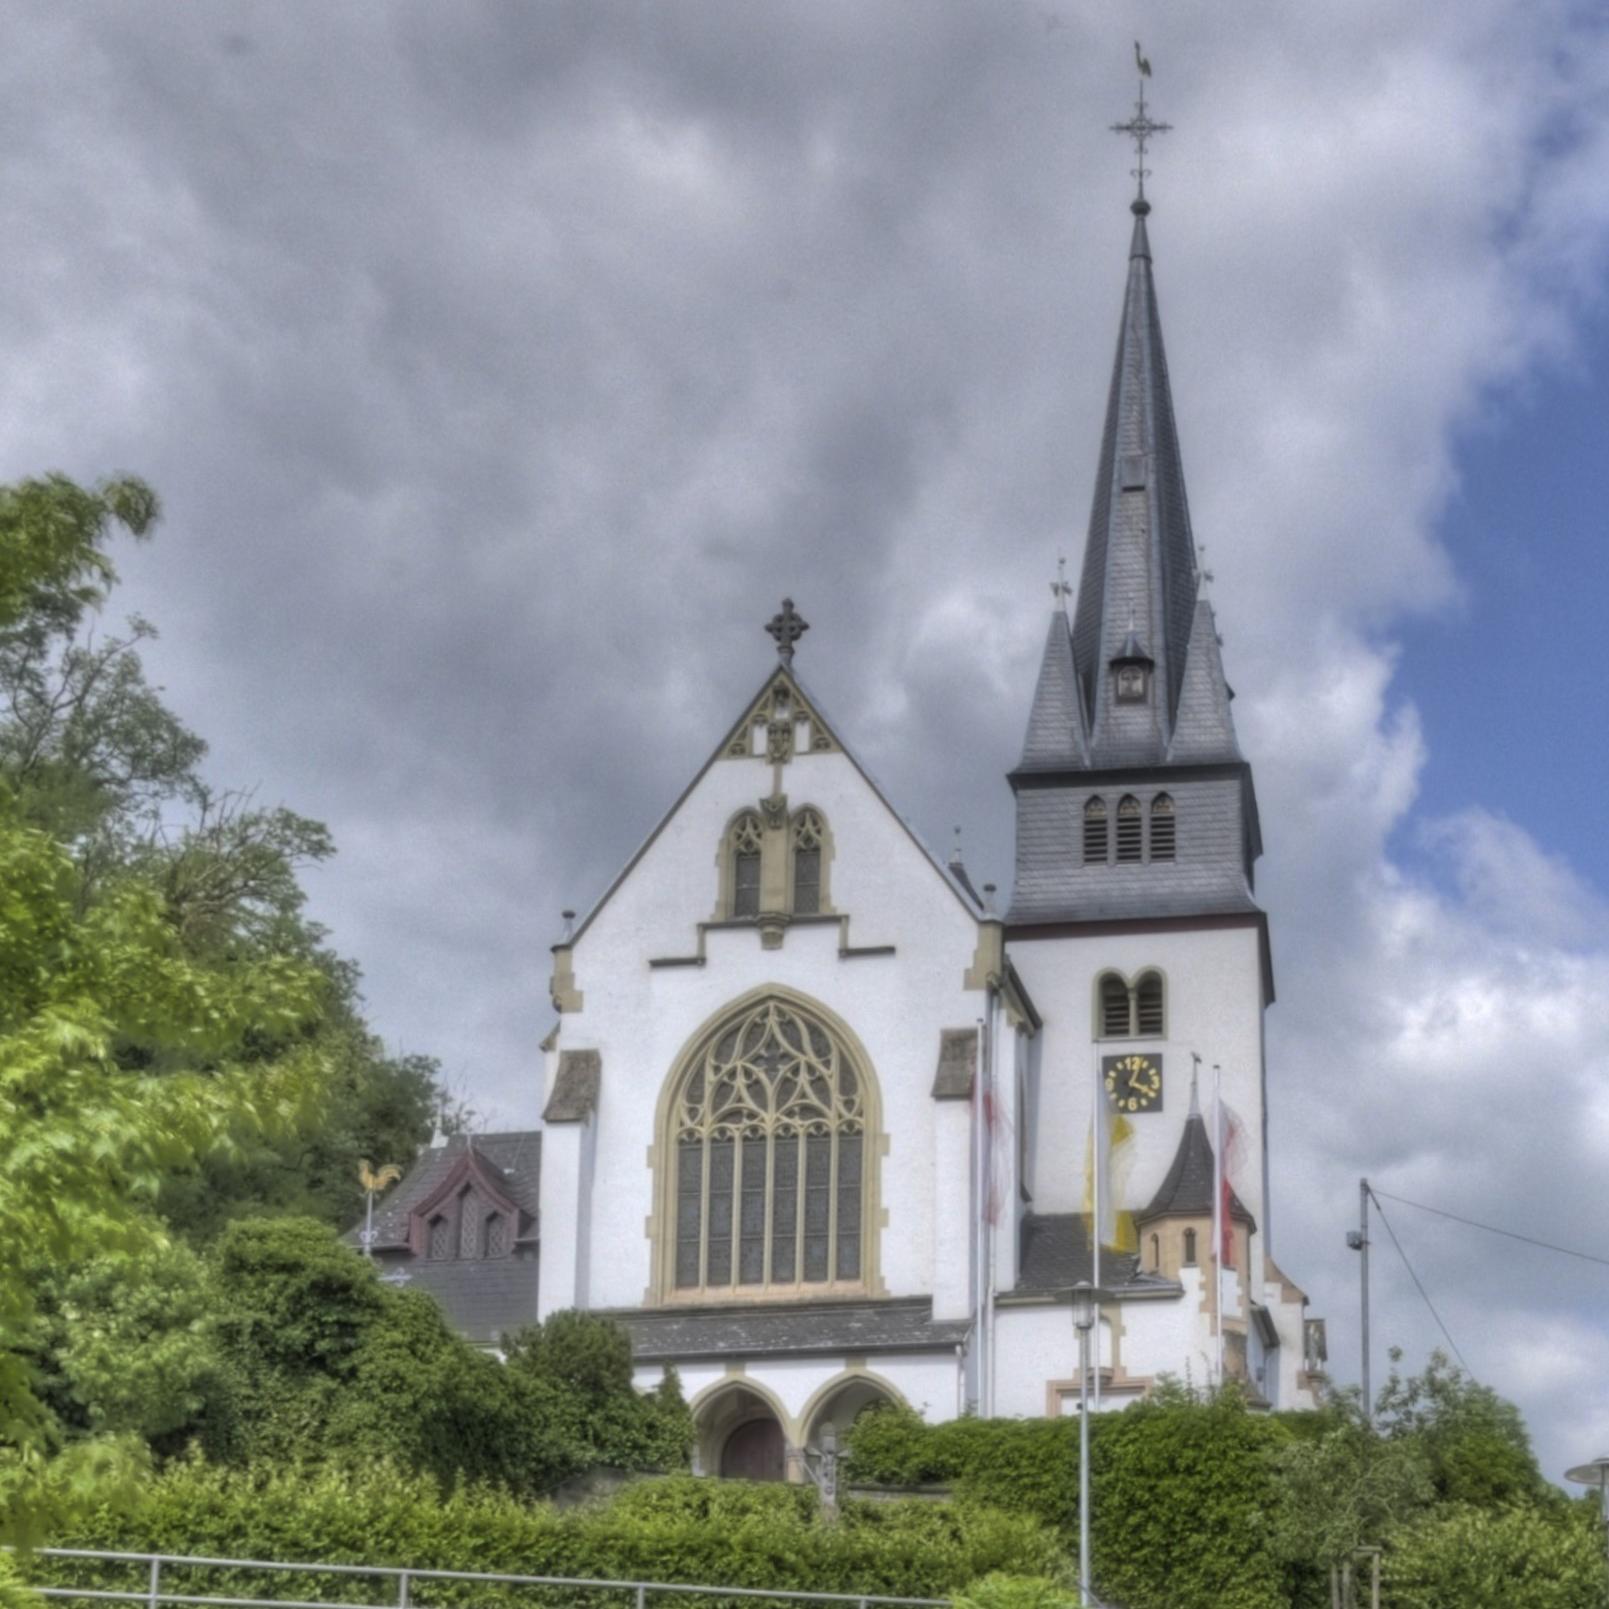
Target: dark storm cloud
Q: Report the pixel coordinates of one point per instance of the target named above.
(502, 366)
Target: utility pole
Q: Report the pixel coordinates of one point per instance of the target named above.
(1358, 1240)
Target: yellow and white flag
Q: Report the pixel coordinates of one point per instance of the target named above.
(1106, 1168)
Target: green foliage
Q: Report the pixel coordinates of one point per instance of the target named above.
(582, 1363)
(123, 1346)
(675, 1529)
(1343, 1488)
(1027, 1465)
(1187, 1504)
(1543, 1558)
(1474, 1443)
(1001, 1591)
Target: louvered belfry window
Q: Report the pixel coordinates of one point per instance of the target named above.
(1148, 1007)
(1095, 832)
(807, 836)
(1130, 827)
(745, 839)
(1114, 1007)
(1130, 1011)
(770, 1133)
(1162, 820)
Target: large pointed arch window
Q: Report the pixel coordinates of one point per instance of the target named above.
(769, 1139)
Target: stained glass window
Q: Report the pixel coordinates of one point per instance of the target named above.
(769, 1144)
(745, 839)
(807, 836)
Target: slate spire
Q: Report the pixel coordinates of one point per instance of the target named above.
(1055, 739)
(1140, 558)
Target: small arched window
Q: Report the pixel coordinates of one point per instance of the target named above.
(1162, 821)
(806, 848)
(1095, 832)
(1114, 1007)
(1190, 1248)
(496, 1241)
(1130, 828)
(441, 1238)
(1148, 1006)
(745, 852)
(470, 1214)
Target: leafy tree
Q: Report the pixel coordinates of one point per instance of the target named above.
(91, 756)
(1474, 1442)
(1343, 1488)
(85, 1139)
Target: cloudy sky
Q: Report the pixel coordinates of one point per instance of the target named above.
(501, 366)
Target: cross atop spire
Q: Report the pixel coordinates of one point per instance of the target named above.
(787, 626)
(1140, 128)
(1061, 589)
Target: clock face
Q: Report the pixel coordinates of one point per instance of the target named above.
(1133, 1082)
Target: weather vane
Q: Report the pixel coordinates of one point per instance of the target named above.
(1061, 589)
(1140, 128)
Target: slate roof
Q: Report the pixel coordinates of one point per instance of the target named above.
(1055, 737)
(902, 1325)
(1056, 1256)
(1140, 555)
(483, 1298)
(1186, 1191)
(514, 1161)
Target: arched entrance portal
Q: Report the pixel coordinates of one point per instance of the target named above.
(840, 1406)
(754, 1452)
(740, 1435)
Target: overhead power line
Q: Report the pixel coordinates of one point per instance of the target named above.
(1419, 1283)
(1492, 1229)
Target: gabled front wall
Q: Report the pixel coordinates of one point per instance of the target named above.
(642, 1017)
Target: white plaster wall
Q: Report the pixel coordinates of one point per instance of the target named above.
(641, 1018)
(1172, 1337)
(1036, 1346)
(1213, 982)
(558, 1282)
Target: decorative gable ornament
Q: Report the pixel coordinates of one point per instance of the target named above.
(780, 723)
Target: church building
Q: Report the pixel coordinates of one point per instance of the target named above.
(821, 1124)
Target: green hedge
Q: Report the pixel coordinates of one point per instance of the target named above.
(677, 1528)
(1186, 1485)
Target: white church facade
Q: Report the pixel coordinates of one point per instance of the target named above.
(818, 1120)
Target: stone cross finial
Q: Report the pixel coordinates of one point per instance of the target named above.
(1140, 128)
(787, 627)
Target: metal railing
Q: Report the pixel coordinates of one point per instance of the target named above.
(152, 1594)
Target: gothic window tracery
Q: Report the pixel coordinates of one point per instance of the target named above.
(806, 848)
(744, 841)
(769, 1127)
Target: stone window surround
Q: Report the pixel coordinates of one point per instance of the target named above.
(1131, 983)
(777, 828)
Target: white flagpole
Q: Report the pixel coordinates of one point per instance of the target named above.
(1217, 1220)
(1097, 1115)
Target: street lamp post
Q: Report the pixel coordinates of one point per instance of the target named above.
(1083, 1322)
(1595, 1474)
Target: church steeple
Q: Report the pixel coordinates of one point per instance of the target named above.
(1140, 578)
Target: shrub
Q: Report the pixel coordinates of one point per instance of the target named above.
(676, 1529)
(1482, 1560)
(1016, 1592)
